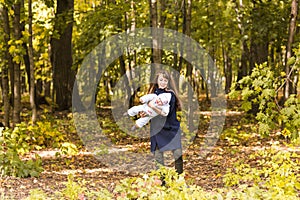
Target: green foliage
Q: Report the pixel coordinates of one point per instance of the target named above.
(11, 147)
(68, 149)
(259, 92)
(150, 187)
(41, 135)
(73, 190)
(235, 136)
(275, 175)
(37, 194)
(25, 138)
(17, 50)
(275, 178)
(290, 117)
(259, 95)
(76, 189)
(246, 192)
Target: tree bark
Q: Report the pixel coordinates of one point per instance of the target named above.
(156, 58)
(259, 40)
(189, 67)
(157, 20)
(292, 31)
(17, 71)
(242, 69)
(188, 25)
(258, 52)
(31, 62)
(227, 69)
(8, 65)
(61, 55)
(177, 52)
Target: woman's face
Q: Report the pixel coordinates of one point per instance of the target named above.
(162, 82)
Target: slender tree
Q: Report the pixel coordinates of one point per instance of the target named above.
(291, 35)
(227, 68)
(31, 62)
(156, 53)
(17, 70)
(242, 68)
(157, 20)
(8, 65)
(189, 67)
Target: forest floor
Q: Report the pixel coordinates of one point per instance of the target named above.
(206, 172)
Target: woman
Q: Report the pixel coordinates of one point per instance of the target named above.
(165, 133)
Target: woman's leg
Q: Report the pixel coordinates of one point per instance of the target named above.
(177, 153)
(159, 161)
(159, 158)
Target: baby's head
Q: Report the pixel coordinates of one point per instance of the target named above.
(163, 99)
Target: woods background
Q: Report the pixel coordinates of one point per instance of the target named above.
(44, 42)
(255, 46)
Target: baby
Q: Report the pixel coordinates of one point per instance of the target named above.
(161, 101)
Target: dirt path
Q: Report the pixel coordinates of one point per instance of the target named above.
(206, 172)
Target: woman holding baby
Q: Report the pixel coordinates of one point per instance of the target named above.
(165, 132)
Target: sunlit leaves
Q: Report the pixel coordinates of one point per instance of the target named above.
(259, 93)
(274, 175)
(291, 61)
(17, 50)
(246, 105)
(290, 116)
(12, 146)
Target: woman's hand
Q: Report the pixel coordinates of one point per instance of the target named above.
(151, 104)
(143, 114)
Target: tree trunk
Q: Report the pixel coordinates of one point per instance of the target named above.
(156, 58)
(292, 31)
(127, 76)
(61, 55)
(258, 52)
(227, 69)
(8, 65)
(189, 67)
(176, 53)
(31, 62)
(259, 40)
(212, 52)
(188, 24)
(242, 69)
(17, 70)
(157, 20)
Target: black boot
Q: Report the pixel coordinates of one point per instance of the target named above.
(163, 181)
(179, 165)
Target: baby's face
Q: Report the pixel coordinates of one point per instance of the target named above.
(159, 101)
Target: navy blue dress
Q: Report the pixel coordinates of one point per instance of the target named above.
(165, 132)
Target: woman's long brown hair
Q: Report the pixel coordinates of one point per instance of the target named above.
(171, 86)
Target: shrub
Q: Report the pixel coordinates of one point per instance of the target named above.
(37, 194)
(276, 175)
(259, 93)
(76, 189)
(290, 118)
(150, 187)
(12, 146)
(45, 134)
